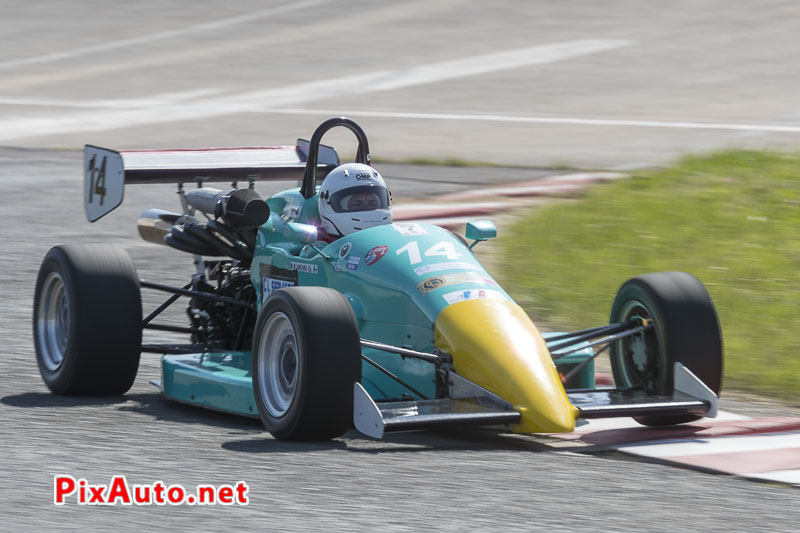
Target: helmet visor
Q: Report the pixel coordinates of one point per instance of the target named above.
(360, 198)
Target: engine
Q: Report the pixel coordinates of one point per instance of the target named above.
(218, 324)
(220, 311)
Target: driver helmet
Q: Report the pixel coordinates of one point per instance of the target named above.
(353, 197)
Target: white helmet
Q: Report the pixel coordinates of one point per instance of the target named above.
(353, 197)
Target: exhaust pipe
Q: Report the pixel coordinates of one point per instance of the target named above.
(155, 224)
(188, 234)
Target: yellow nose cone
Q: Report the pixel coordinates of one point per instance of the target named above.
(495, 345)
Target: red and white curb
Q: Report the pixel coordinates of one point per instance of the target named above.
(557, 185)
(456, 209)
(420, 211)
(765, 449)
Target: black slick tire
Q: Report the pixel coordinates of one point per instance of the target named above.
(306, 359)
(87, 320)
(685, 329)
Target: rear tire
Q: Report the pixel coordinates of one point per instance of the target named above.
(87, 320)
(306, 358)
(686, 330)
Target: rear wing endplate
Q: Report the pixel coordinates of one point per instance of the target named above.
(106, 172)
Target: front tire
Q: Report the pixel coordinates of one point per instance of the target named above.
(87, 320)
(306, 358)
(685, 329)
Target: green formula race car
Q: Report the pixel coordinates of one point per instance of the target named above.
(385, 326)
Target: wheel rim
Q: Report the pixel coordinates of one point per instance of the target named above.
(638, 355)
(53, 321)
(279, 364)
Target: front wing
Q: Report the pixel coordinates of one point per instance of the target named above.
(470, 405)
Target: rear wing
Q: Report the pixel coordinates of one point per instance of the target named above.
(108, 171)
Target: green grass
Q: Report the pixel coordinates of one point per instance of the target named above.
(732, 219)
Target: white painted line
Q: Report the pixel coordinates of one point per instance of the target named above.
(780, 476)
(481, 117)
(712, 445)
(487, 63)
(725, 416)
(153, 37)
(267, 100)
(157, 100)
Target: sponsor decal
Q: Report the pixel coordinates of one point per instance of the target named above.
(374, 255)
(272, 284)
(344, 250)
(363, 176)
(337, 267)
(352, 263)
(438, 267)
(291, 212)
(430, 284)
(409, 229)
(274, 278)
(308, 268)
(472, 294)
(436, 282)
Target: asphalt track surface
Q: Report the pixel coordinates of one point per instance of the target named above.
(477, 480)
(595, 85)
